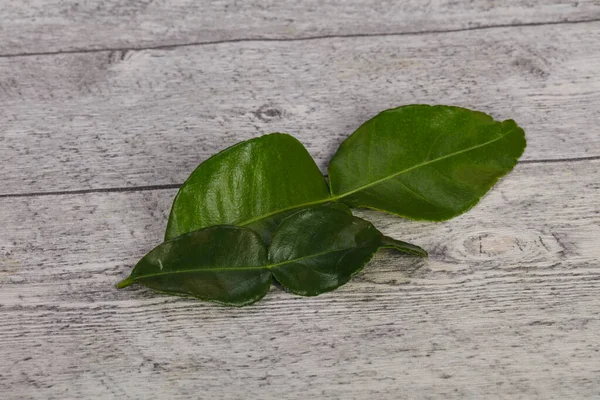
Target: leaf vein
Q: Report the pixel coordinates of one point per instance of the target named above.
(374, 183)
(417, 194)
(245, 268)
(416, 166)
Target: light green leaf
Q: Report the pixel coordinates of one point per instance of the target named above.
(424, 162)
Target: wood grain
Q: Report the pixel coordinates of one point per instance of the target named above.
(71, 25)
(121, 94)
(505, 307)
(122, 119)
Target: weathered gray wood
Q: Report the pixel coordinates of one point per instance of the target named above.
(66, 25)
(117, 119)
(505, 307)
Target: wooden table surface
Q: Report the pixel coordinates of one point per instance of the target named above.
(107, 106)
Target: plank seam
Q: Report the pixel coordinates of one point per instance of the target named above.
(178, 185)
(298, 39)
(559, 160)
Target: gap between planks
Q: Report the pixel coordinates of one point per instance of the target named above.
(306, 38)
(178, 185)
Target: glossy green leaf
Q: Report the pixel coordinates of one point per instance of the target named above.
(255, 183)
(424, 162)
(312, 251)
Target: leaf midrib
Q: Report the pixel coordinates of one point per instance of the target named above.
(243, 268)
(366, 186)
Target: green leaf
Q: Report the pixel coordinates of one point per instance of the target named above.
(418, 161)
(224, 264)
(424, 162)
(317, 250)
(313, 251)
(255, 183)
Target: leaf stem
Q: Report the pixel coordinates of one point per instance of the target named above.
(403, 247)
(299, 206)
(339, 196)
(125, 282)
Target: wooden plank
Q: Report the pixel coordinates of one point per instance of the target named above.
(119, 119)
(505, 307)
(67, 25)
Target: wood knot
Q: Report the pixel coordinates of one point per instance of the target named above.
(486, 244)
(9, 267)
(268, 113)
(505, 247)
(531, 67)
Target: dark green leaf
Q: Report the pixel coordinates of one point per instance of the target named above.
(313, 251)
(424, 162)
(250, 184)
(317, 250)
(224, 264)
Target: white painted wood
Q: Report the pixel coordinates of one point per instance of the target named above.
(119, 119)
(65, 25)
(505, 307)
